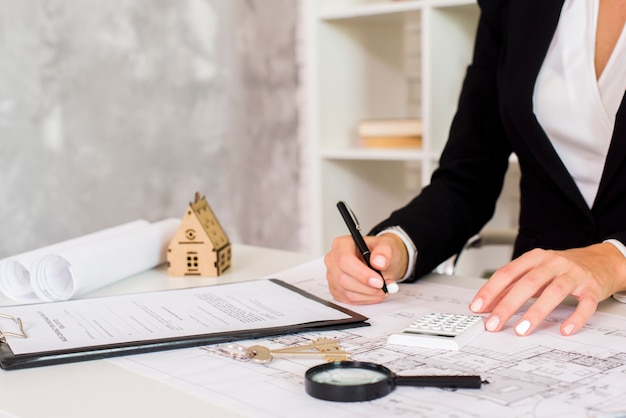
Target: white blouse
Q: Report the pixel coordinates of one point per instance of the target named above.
(575, 109)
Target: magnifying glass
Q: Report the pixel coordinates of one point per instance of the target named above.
(356, 381)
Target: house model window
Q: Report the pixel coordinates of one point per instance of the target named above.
(200, 246)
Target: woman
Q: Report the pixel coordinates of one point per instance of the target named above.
(547, 82)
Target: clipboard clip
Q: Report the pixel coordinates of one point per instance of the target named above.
(5, 334)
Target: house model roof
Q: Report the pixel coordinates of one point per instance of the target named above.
(200, 207)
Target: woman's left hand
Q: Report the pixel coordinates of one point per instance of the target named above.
(590, 274)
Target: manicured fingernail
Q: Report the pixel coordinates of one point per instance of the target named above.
(523, 327)
(492, 324)
(569, 328)
(376, 282)
(393, 287)
(476, 305)
(379, 261)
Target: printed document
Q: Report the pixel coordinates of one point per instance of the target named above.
(251, 305)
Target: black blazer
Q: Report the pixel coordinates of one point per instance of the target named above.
(494, 118)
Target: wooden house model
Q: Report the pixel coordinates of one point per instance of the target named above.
(200, 246)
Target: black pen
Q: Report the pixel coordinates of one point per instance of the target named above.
(354, 228)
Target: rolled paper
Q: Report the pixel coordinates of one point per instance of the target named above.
(81, 269)
(16, 271)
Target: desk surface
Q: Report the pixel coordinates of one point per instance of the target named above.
(102, 389)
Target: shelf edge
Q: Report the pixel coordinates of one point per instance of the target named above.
(399, 154)
(387, 8)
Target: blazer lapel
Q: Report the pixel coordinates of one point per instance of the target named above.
(617, 152)
(532, 24)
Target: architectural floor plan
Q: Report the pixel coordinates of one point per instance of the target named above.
(542, 375)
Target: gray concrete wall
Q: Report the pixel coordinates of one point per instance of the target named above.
(118, 110)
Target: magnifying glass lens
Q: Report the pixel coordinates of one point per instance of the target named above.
(349, 377)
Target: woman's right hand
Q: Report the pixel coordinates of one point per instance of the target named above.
(349, 278)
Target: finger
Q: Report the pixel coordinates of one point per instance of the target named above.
(347, 257)
(350, 291)
(344, 295)
(381, 262)
(384, 258)
(500, 283)
(550, 298)
(478, 305)
(344, 258)
(352, 276)
(349, 279)
(388, 255)
(585, 309)
(523, 290)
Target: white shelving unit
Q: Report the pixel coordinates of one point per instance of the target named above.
(374, 59)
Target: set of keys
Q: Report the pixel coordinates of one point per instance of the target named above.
(322, 347)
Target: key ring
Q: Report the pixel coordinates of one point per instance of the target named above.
(232, 350)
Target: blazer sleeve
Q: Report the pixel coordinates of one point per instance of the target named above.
(463, 191)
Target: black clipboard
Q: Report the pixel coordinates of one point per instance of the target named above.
(11, 361)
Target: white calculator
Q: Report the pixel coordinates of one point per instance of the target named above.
(444, 331)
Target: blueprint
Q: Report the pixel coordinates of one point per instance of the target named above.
(541, 375)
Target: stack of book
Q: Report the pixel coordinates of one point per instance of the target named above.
(390, 133)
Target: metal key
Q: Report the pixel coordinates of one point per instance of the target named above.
(323, 347)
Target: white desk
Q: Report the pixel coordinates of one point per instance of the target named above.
(101, 389)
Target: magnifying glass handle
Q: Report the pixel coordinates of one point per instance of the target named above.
(460, 382)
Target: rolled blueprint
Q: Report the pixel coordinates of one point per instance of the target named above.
(80, 269)
(15, 271)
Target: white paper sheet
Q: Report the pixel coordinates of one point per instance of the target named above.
(93, 322)
(77, 266)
